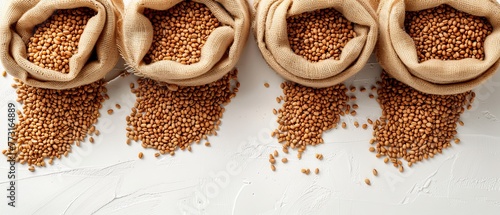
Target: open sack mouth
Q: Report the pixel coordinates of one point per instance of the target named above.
(56, 40)
(316, 44)
(180, 32)
(59, 44)
(439, 47)
(319, 35)
(445, 33)
(184, 42)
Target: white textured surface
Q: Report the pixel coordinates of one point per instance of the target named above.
(233, 176)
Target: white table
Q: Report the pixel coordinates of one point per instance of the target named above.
(233, 175)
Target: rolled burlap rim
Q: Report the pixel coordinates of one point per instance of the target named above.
(219, 55)
(99, 37)
(397, 54)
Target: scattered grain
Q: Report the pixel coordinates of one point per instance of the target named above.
(285, 150)
(308, 112)
(53, 120)
(167, 120)
(415, 126)
(272, 161)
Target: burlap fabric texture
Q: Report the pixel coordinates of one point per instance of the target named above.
(219, 55)
(18, 24)
(397, 54)
(270, 29)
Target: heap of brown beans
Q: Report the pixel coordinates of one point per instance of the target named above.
(167, 117)
(320, 34)
(447, 34)
(180, 32)
(53, 120)
(55, 41)
(308, 112)
(415, 126)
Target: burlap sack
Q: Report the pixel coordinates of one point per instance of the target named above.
(398, 56)
(219, 55)
(270, 30)
(17, 26)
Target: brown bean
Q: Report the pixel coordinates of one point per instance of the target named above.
(307, 112)
(53, 48)
(308, 40)
(52, 121)
(168, 120)
(367, 181)
(188, 24)
(464, 43)
(414, 125)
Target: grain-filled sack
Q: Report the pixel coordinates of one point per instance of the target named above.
(219, 54)
(270, 29)
(397, 52)
(97, 51)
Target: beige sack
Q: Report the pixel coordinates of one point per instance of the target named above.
(397, 53)
(219, 55)
(17, 26)
(270, 30)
